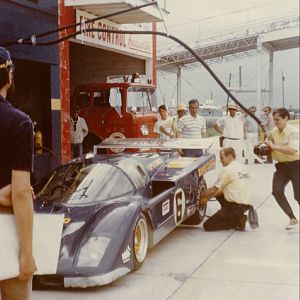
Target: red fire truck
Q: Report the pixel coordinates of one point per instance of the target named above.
(117, 109)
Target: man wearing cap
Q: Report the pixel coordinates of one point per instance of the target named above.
(170, 126)
(16, 160)
(233, 128)
(192, 126)
(79, 131)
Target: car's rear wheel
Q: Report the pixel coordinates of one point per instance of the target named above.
(140, 241)
(199, 215)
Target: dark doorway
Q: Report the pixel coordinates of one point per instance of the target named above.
(33, 94)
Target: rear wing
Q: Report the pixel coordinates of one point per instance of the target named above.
(143, 144)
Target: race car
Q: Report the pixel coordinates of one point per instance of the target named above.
(116, 206)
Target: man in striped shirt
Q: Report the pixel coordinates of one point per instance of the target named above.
(192, 126)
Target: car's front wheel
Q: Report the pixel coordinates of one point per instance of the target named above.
(140, 241)
(199, 214)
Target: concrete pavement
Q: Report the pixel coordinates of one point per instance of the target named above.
(192, 264)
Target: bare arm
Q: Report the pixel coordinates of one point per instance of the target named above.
(164, 130)
(204, 134)
(178, 134)
(284, 149)
(210, 193)
(23, 211)
(85, 128)
(5, 196)
(218, 129)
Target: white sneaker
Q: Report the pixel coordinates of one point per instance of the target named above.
(292, 224)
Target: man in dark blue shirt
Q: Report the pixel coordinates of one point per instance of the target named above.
(16, 157)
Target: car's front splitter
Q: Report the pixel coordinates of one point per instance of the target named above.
(84, 282)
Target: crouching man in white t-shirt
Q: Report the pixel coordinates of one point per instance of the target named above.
(231, 190)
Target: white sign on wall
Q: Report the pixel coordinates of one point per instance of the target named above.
(140, 45)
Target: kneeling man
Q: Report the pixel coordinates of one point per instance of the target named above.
(231, 190)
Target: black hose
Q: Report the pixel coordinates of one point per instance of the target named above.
(188, 48)
(34, 37)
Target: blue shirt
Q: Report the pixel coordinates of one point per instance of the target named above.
(16, 142)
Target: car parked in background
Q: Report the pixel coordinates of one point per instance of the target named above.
(211, 113)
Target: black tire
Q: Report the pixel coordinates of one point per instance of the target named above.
(140, 241)
(199, 215)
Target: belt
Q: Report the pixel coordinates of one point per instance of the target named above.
(288, 163)
(231, 138)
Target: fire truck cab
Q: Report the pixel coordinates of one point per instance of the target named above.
(118, 109)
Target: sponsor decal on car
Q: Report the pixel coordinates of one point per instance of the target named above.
(206, 167)
(179, 206)
(153, 165)
(126, 255)
(165, 207)
(181, 162)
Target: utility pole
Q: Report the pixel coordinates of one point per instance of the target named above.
(229, 83)
(240, 76)
(282, 86)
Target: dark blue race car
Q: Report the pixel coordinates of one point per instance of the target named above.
(116, 207)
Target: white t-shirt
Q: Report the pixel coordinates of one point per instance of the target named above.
(233, 127)
(234, 182)
(81, 131)
(157, 125)
(171, 124)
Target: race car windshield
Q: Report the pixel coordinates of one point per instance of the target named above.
(80, 184)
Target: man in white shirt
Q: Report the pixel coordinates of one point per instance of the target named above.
(252, 137)
(192, 126)
(79, 131)
(170, 127)
(163, 112)
(231, 190)
(233, 128)
(268, 124)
